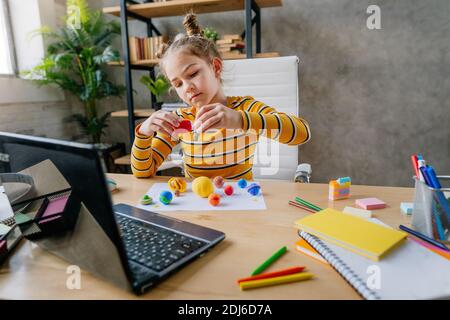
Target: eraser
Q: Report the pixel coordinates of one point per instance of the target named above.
(358, 212)
(370, 203)
(339, 189)
(406, 207)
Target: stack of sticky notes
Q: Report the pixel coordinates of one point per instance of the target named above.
(304, 247)
(370, 203)
(339, 188)
(355, 234)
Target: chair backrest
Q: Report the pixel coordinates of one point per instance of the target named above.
(273, 81)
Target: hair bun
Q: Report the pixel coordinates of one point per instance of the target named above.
(191, 25)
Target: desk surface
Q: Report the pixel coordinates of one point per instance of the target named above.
(251, 237)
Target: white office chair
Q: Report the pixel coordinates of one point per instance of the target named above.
(273, 81)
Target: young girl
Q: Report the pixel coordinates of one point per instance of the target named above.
(226, 129)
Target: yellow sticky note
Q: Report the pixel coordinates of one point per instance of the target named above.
(355, 234)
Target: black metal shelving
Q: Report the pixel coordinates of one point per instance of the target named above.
(250, 7)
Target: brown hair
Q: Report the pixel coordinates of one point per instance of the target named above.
(193, 42)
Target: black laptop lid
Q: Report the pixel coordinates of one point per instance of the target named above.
(80, 165)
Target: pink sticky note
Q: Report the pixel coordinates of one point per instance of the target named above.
(55, 206)
(370, 203)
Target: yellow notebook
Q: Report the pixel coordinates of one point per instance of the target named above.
(352, 233)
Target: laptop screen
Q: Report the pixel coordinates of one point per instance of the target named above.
(80, 165)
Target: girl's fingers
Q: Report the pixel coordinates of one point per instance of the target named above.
(204, 109)
(169, 118)
(204, 117)
(163, 125)
(210, 122)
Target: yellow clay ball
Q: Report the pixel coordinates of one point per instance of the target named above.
(202, 186)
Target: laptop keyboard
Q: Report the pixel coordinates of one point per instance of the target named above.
(154, 247)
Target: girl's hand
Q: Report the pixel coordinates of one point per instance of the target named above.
(162, 121)
(217, 116)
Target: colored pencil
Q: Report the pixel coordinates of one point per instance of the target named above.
(306, 203)
(295, 204)
(273, 274)
(430, 247)
(269, 261)
(424, 237)
(277, 280)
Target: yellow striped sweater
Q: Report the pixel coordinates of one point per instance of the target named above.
(225, 152)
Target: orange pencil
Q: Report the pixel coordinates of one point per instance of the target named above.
(283, 272)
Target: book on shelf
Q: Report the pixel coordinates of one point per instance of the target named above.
(145, 48)
(230, 43)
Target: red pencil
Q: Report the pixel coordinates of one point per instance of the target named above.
(415, 165)
(283, 272)
(295, 204)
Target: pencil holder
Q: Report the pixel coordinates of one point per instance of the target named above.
(431, 211)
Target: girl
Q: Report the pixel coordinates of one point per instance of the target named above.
(194, 66)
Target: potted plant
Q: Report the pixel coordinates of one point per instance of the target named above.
(157, 87)
(211, 34)
(74, 62)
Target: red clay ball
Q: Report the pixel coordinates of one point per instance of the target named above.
(228, 190)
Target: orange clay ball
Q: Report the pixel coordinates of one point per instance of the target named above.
(228, 190)
(177, 193)
(218, 182)
(177, 183)
(214, 199)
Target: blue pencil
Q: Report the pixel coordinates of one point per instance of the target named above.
(424, 237)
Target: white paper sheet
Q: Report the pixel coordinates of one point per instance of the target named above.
(189, 201)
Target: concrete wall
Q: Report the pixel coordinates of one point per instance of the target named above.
(372, 97)
(25, 108)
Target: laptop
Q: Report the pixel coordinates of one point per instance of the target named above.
(149, 246)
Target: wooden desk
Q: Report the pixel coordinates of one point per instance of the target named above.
(251, 237)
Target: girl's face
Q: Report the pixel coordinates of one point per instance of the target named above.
(195, 80)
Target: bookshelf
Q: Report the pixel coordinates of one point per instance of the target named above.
(180, 7)
(148, 10)
(146, 64)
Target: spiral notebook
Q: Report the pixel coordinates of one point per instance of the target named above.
(409, 272)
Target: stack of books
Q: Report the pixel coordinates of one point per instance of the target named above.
(230, 44)
(145, 48)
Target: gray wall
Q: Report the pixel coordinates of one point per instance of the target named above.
(372, 97)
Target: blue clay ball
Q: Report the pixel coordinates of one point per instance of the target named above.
(165, 197)
(254, 189)
(242, 183)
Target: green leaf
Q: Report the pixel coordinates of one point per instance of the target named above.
(157, 87)
(75, 57)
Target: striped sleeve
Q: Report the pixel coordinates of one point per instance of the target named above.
(265, 120)
(148, 153)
